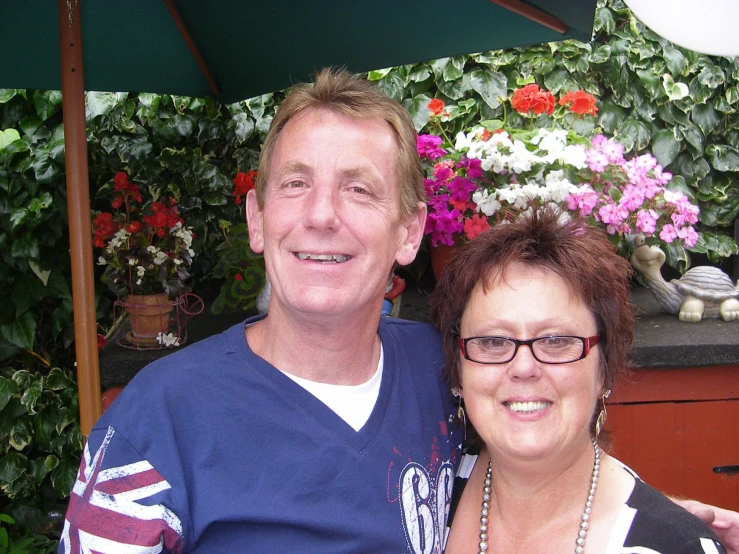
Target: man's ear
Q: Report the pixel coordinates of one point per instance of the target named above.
(412, 235)
(254, 220)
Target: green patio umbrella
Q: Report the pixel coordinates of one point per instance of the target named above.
(231, 50)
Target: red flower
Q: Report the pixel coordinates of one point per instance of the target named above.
(243, 183)
(436, 106)
(238, 277)
(531, 97)
(580, 102)
(102, 341)
(475, 225)
(121, 181)
(134, 227)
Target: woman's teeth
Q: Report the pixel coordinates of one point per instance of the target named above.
(526, 407)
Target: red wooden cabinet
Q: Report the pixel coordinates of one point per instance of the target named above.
(674, 426)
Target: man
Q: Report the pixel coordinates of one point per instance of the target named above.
(320, 427)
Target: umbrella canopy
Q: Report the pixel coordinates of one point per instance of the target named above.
(248, 48)
(231, 50)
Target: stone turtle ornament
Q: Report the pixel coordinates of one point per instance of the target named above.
(702, 292)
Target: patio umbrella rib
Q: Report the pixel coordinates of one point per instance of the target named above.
(199, 59)
(534, 14)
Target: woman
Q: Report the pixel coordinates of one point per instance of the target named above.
(536, 323)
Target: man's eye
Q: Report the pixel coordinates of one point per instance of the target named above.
(359, 190)
(295, 184)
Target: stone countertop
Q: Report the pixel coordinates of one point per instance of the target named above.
(661, 341)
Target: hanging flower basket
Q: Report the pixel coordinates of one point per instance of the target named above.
(154, 322)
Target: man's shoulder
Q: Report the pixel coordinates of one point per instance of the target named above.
(407, 328)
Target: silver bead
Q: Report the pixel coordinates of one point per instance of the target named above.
(579, 550)
(483, 546)
(580, 541)
(483, 528)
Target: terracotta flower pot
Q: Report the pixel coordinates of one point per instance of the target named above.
(440, 257)
(149, 316)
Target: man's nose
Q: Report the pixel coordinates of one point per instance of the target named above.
(322, 211)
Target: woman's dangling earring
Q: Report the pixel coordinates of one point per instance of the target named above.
(601, 421)
(460, 410)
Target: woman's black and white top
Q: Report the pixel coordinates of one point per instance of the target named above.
(649, 523)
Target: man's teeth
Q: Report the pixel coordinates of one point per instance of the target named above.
(527, 407)
(335, 258)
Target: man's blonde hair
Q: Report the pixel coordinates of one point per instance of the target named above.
(348, 94)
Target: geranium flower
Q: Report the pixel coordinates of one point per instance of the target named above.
(436, 106)
(580, 102)
(532, 98)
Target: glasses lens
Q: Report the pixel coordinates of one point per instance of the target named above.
(558, 349)
(491, 350)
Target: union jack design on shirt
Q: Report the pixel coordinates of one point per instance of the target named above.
(106, 513)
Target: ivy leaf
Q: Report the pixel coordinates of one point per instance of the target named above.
(633, 134)
(610, 116)
(12, 466)
(44, 424)
(63, 477)
(705, 117)
(99, 103)
(721, 215)
(665, 147)
(7, 137)
(21, 332)
(490, 85)
(57, 379)
(677, 64)
(21, 434)
(711, 76)
(40, 467)
(675, 91)
(7, 389)
(723, 158)
(242, 126)
(31, 395)
(418, 110)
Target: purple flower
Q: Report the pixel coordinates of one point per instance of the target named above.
(442, 172)
(429, 146)
(442, 225)
(461, 188)
(472, 166)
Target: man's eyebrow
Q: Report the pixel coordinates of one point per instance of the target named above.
(361, 173)
(293, 167)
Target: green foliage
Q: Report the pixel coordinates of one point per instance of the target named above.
(241, 270)
(653, 97)
(13, 543)
(41, 441)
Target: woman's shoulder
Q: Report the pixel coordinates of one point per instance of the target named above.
(661, 525)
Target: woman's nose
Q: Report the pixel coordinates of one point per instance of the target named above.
(524, 365)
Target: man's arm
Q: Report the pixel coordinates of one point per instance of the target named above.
(725, 523)
(119, 503)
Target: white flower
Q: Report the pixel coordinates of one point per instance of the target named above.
(151, 248)
(486, 203)
(140, 271)
(101, 261)
(138, 281)
(177, 261)
(191, 251)
(168, 339)
(132, 261)
(160, 258)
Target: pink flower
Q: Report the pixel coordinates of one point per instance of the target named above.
(612, 214)
(584, 202)
(461, 188)
(689, 236)
(668, 233)
(646, 221)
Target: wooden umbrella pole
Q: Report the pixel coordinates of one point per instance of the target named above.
(78, 210)
(533, 14)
